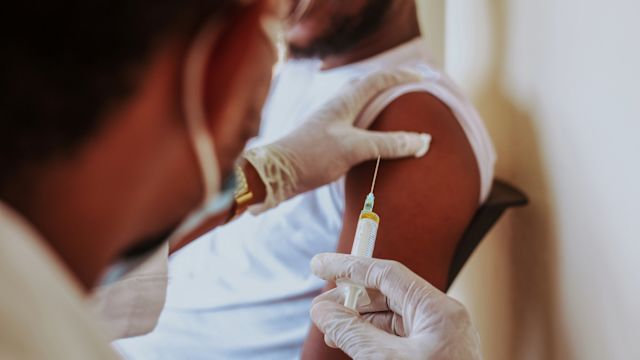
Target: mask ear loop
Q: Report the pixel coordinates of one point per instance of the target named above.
(196, 118)
(194, 109)
(301, 9)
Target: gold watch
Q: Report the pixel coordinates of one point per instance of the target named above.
(242, 194)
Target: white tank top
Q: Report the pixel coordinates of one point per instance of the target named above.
(244, 290)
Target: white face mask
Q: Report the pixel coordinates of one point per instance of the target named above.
(218, 196)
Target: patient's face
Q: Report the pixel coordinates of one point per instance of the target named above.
(331, 27)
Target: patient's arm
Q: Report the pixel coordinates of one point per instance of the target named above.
(424, 204)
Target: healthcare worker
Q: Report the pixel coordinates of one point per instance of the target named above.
(109, 112)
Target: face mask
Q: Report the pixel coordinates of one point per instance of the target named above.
(216, 197)
(124, 266)
(128, 263)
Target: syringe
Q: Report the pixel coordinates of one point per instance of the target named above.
(363, 245)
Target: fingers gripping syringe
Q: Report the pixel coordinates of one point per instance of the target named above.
(363, 245)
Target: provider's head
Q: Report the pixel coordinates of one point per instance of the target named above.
(100, 103)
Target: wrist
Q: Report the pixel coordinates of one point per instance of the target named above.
(250, 189)
(274, 171)
(254, 183)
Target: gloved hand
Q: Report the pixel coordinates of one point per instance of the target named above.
(327, 145)
(407, 318)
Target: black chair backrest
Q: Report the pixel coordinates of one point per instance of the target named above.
(502, 197)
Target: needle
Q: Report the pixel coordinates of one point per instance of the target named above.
(375, 174)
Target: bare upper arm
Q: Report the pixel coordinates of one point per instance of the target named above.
(424, 204)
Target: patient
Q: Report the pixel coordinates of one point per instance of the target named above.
(244, 291)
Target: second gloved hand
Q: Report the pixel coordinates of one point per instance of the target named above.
(328, 144)
(407, 318)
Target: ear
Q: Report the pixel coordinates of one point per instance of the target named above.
(228, 58)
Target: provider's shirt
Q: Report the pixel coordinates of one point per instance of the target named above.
(43, 313)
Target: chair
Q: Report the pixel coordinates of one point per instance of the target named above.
(502, 197)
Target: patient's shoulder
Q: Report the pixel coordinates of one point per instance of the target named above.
(424, 203)
(450, 160)
(419, 111)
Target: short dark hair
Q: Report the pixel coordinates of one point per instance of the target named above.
(65, 63)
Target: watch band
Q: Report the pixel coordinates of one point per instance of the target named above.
(242, 194)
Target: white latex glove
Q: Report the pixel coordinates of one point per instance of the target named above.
(407, 318)
(327, 145)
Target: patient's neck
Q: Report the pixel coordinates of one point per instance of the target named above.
(396, 30)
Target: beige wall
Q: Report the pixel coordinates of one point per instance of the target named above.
(559, 86)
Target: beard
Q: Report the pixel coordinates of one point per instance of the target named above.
(345, 32)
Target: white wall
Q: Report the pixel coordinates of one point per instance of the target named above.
(559, 86)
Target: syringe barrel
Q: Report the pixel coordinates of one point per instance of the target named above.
(366, 232)
(363, 244)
